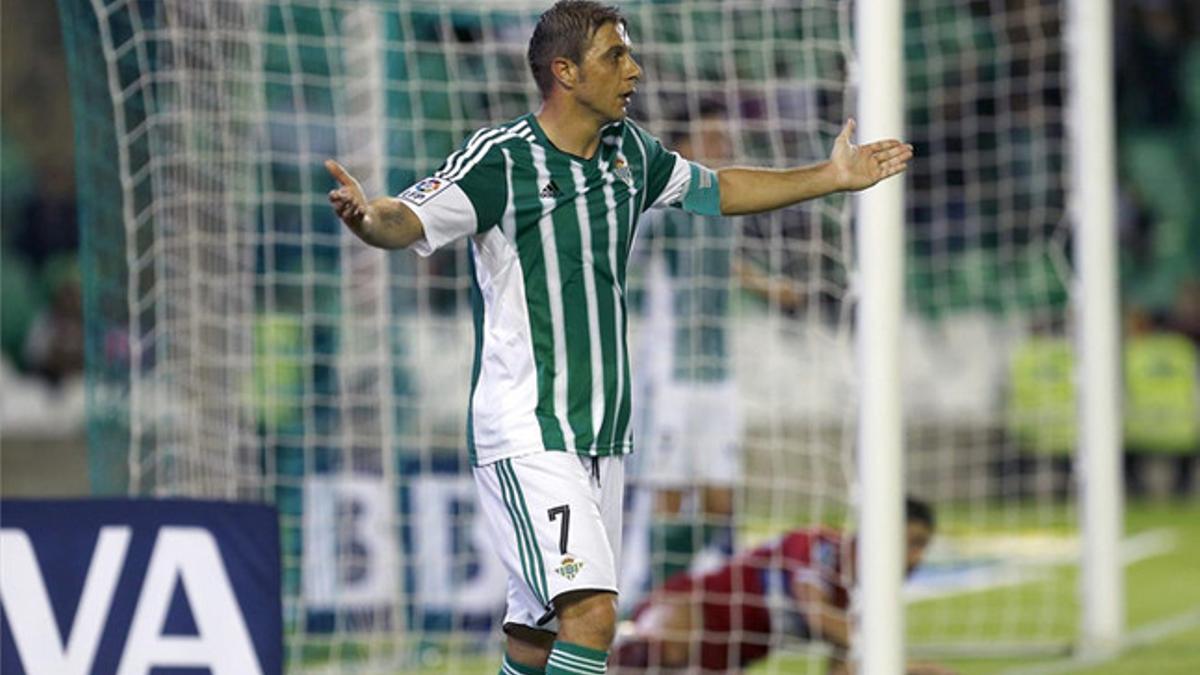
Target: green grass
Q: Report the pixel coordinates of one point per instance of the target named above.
(1158, 588)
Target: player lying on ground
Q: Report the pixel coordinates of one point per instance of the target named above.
(550, 203)
(797, 585)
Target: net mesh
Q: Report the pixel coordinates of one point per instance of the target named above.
(988, 352)
(242, 345)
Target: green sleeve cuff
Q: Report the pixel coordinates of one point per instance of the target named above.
(703, 196)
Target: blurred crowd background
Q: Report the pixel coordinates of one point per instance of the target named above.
(41, 321)
(41, 326)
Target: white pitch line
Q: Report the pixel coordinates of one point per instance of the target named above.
(1161, 630)
(1144, 545)
(1135, 548)
(1146, 635)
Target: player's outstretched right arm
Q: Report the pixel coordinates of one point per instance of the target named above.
(383, 222)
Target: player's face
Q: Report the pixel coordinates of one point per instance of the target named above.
(917, 538)
(609, 75)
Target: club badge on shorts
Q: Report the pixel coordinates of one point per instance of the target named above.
(569, 568)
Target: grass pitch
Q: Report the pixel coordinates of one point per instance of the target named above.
(1159, 588)
(1162, 592)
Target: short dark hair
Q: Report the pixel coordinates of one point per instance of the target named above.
(918, 511)
(565, 30)
(681, 116)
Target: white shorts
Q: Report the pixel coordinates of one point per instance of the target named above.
(693, 436)
(556, 526)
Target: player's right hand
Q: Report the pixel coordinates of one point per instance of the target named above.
(348, 199)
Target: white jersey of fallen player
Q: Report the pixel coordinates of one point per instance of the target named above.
(550, 239)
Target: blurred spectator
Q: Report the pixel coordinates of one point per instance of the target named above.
(1185, 317)
(55, 341)
(1158, 106)
(1158, 103)
(39, 284)
(21, 297)
(1152, 41)
(47, 225)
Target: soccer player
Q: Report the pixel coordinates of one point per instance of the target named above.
(549, 202)
(687, 420)
(796, 585)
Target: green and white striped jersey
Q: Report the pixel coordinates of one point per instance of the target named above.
(686, 264)
(550, 238)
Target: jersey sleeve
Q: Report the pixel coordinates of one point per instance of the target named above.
(813, 558)
(465, 196)
(674, 181)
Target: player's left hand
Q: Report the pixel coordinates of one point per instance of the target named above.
(861, 166)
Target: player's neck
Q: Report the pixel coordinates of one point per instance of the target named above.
(570, 127)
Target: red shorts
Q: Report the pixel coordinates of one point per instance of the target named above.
(736, 619)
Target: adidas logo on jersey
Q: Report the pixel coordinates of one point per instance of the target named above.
(550, 191)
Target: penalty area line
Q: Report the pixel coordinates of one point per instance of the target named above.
(1146, 635)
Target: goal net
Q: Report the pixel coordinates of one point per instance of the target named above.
(242, 345)
(988, 350)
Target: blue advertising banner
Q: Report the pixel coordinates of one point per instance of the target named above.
(91, 587)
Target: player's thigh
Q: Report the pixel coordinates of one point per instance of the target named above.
(549, 531)
(526, 601)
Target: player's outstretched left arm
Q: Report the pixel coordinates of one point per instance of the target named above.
(850, 167)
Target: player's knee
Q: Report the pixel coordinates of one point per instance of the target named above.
(527, 645)
(718, 501)
(587, 618)
(668, 502)
(674, 654)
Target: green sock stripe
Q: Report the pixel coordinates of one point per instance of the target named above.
(557, 665)
(537, 552)
(519, 530)
(567, 657)
(672, 547)
(510, 667)
(585, 653)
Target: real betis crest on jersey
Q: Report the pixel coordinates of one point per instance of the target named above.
(621, 170)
